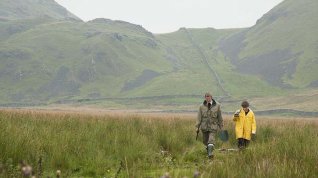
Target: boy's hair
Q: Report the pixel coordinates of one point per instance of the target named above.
(245, 104)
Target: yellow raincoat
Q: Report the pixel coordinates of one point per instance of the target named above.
(245, 125)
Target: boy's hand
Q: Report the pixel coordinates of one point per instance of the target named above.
(253, 136)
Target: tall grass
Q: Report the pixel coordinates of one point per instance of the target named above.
(96, 145)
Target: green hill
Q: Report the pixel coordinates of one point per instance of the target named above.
(48, 55)
(77, 60)
(29, 9)
(195, 53)
(281, 48)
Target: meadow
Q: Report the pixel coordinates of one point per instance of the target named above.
(116, 144)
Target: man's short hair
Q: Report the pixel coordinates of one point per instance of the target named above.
(207, 94)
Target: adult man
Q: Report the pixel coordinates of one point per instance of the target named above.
(209, 121)
(245, 125)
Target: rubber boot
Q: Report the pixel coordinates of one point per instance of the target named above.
(210, 150)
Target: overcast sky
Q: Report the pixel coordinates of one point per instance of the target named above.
(162, 16)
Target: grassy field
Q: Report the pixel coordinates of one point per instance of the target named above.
(83, 143)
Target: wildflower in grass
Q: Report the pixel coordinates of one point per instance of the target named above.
(196, 174)
(26, 170)
(166, 175)
(58, 173)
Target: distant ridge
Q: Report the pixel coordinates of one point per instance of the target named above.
(28, 9)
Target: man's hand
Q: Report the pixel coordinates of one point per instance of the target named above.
(197, 131)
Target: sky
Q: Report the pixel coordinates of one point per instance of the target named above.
(164, 16)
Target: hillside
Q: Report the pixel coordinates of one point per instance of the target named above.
(281, 48)
(50, 56)
(29, 9)
(78, 59)
(198, 54)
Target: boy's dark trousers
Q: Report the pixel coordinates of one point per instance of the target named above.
(242, 143)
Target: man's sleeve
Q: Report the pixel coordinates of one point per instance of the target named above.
(197, 125)
(220, 118)
(253, 124)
